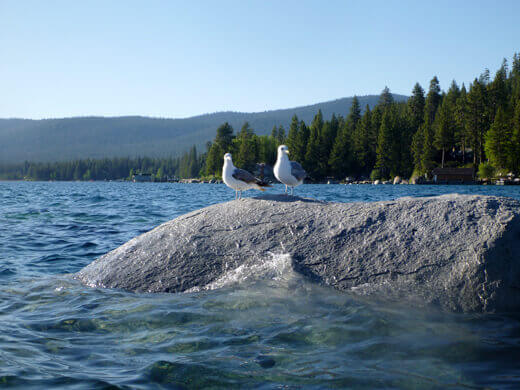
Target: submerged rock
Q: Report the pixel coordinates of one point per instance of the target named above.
(459, 251)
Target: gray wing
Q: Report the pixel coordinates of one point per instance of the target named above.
(242, 175)
(297, 171)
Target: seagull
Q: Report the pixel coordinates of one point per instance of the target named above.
(239, 179)
(288, 172)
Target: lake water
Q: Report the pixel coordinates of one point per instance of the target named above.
(269, 329)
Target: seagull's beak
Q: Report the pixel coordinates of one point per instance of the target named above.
(287, 151)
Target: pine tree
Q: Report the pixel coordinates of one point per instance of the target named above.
(356, 147)
(341, 154)
(498, 91)
(498, 140)
(386, 98)
(423, 141)
(312, 155)
(302, 141)
(214, 160)
(461, 134)
(292, 137)
(225, 137)
(247, 153)
(515, 79)
(444, 126)
(514, 153)
(433, 100)
(281, 139)
(274, 132)
(362, 151)
(384, 159)
(416, 105)
(477, 122)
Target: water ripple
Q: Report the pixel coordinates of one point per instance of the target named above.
(263, 327)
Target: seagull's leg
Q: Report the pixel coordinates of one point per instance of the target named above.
(239, 195)
(236, 194)
(292, 191)
(286, 188)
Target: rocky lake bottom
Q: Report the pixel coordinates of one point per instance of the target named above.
(262, 327)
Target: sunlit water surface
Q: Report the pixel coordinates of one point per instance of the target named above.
(261, 328)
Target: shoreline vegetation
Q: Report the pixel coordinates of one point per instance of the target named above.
(476, 127)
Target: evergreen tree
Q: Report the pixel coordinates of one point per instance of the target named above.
(416, 105)
(514, 156)
(477, 122)
(281, 139)
(444, 128)
(363, 155)
(225, 137)
(215, 160)
(247, 155)
(312, 161)
(292, 137)
(498, 91)
(498, 144)
(515, 79)
(461, 134)
(354, 137)
(302, 141)
(386, 98)
(341, 154)
(386, 154)
(423, 149)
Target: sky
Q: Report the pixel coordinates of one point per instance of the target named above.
(183, 58)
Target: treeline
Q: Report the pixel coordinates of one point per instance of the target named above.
(246, 147)
(188, 165)
(476, 126)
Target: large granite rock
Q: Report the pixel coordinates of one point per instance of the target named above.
(459, 251)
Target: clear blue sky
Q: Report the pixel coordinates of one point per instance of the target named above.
(178, 59)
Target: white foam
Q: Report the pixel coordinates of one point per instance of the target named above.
(276, 267)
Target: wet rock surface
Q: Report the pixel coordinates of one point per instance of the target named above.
(461, 252)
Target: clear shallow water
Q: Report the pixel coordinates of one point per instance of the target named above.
(263, 328)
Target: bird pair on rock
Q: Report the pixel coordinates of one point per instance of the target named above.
(288, 172)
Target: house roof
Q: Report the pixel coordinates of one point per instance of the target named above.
(454, 171)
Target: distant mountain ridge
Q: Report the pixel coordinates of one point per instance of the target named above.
(130, 136)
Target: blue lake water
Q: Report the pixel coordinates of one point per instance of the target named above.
(268, 330)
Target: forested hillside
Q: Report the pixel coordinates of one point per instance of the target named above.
(466, 126)
(476, 126)
(66, 139)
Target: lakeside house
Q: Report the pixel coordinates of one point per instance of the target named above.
(453, 175)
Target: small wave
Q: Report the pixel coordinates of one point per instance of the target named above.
(276, 267)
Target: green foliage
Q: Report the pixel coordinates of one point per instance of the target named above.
(386, 98)
(486, 171)
(498, 144)
(93, 169)
(375, 175)
(387, 139)
(444, 127)
(477, 122)
(313, 153)
(416, 105)
(248, 148)
(514, 158)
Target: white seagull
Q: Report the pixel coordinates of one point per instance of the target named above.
(288, 172)
(239, 179)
